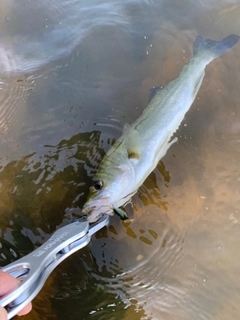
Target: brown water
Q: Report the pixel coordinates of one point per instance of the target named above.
(70, 75)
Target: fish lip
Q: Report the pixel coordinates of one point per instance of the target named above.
(102, 209)
(93, 212)
(88, 209)
(90, 213)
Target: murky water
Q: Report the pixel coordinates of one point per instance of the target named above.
(71, 73)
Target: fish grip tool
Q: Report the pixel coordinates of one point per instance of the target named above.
(34, 268)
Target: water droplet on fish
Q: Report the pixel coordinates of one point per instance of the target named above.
(139, 257)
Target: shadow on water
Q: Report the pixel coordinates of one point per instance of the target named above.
(128, 264)
(40, 193)
(74, 72)
(51, 177)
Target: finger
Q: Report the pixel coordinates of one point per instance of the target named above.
(7, 284)
(3, 314)
(25, 310)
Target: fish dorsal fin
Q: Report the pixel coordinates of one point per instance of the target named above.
(153, 91)
(132, 142)
(121, 213)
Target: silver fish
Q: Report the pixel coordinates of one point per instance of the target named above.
(137, 152)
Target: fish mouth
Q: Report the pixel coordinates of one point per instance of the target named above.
(94, 212)
(87, 209)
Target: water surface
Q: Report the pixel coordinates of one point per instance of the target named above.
(70, 75)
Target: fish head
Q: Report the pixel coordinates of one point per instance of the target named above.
(109, 191)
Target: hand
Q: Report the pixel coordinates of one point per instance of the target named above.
(7, 284)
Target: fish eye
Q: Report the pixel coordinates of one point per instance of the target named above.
(97, 185)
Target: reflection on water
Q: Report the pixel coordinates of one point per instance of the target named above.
(54, 29)
(51, 177)
(71, 74)
(13, 98)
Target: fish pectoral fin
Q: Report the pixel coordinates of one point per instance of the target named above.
(174, 140)
(121, 169)
(163, 150)
(152, 92)
(132, 142)
(122, 214)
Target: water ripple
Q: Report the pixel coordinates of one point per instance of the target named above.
(13, 96)
(47, 31)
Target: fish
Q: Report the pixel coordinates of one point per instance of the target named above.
(143, 143)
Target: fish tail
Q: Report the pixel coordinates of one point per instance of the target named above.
(213, 49)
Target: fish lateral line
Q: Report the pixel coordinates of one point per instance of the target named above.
(143, 143)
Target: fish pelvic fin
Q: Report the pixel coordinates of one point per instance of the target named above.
(122, 214)
(132, 142)
(214, 49)
(152, 92)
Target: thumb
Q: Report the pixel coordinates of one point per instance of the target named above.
(3, 314)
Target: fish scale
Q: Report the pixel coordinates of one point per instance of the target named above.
(137, 152)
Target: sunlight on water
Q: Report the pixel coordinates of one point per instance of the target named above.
(71, 74)
(14, 94)
(56, 29)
